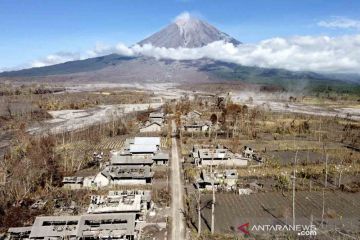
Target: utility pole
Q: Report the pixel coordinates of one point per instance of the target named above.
(326, 171)
(340, 176)
(293, 190)
(199, 212)
(323, 208)
(213, 209)
(213, 198)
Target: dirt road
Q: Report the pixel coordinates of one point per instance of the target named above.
(177, 206)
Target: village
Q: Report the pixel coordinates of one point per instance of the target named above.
(195, 167)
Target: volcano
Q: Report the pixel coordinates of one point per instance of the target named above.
(187, 32)
(184, 32)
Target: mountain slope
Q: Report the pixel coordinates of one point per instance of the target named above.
(187, 32)
(71, 67)
(118, 69)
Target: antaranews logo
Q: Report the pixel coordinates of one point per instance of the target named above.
(301, 230)
(244, 228)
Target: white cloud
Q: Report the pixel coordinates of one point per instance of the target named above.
(56, 58)
(320, 54)
(340, 22)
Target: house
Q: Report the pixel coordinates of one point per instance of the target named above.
(161, 158)
(136, 201)
(88, 226)
(206, 181)
(89, 182)
(124, 175)
(193, 115)
(140, 146)
(151, 127)
(131, 165)
(231, 178)
(199, 126)
(226, 180)
(156, 100)
(147, 141)
(210, 156)
(18, 233)
(250, 153)
(219, 155)
(129, 160)
(143, 150)
(73, 182)
(157, 117)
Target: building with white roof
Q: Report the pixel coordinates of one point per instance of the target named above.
(147, 141)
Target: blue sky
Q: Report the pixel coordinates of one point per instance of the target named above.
(31, 29)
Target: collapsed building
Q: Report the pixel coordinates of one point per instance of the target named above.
(250, 153)
(118, 215)
(124, 175)
(132, 201)
(89, 226)
(157, 117)
(226, 180)
(73, 182)
(197, 126)
(192, 123)
(218, 155)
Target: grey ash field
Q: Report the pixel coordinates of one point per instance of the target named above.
(274, 124)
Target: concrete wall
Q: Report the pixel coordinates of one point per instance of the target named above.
(151, 128)
(129, 182)
(101, 180)
(72, 186)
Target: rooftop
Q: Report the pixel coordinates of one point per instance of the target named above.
(120, 201)
(147, 141)
(134, 172)
(130, 160)
(95, 225)
(213, 153)
(143, 148)
(156, 115)
(161, 156)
